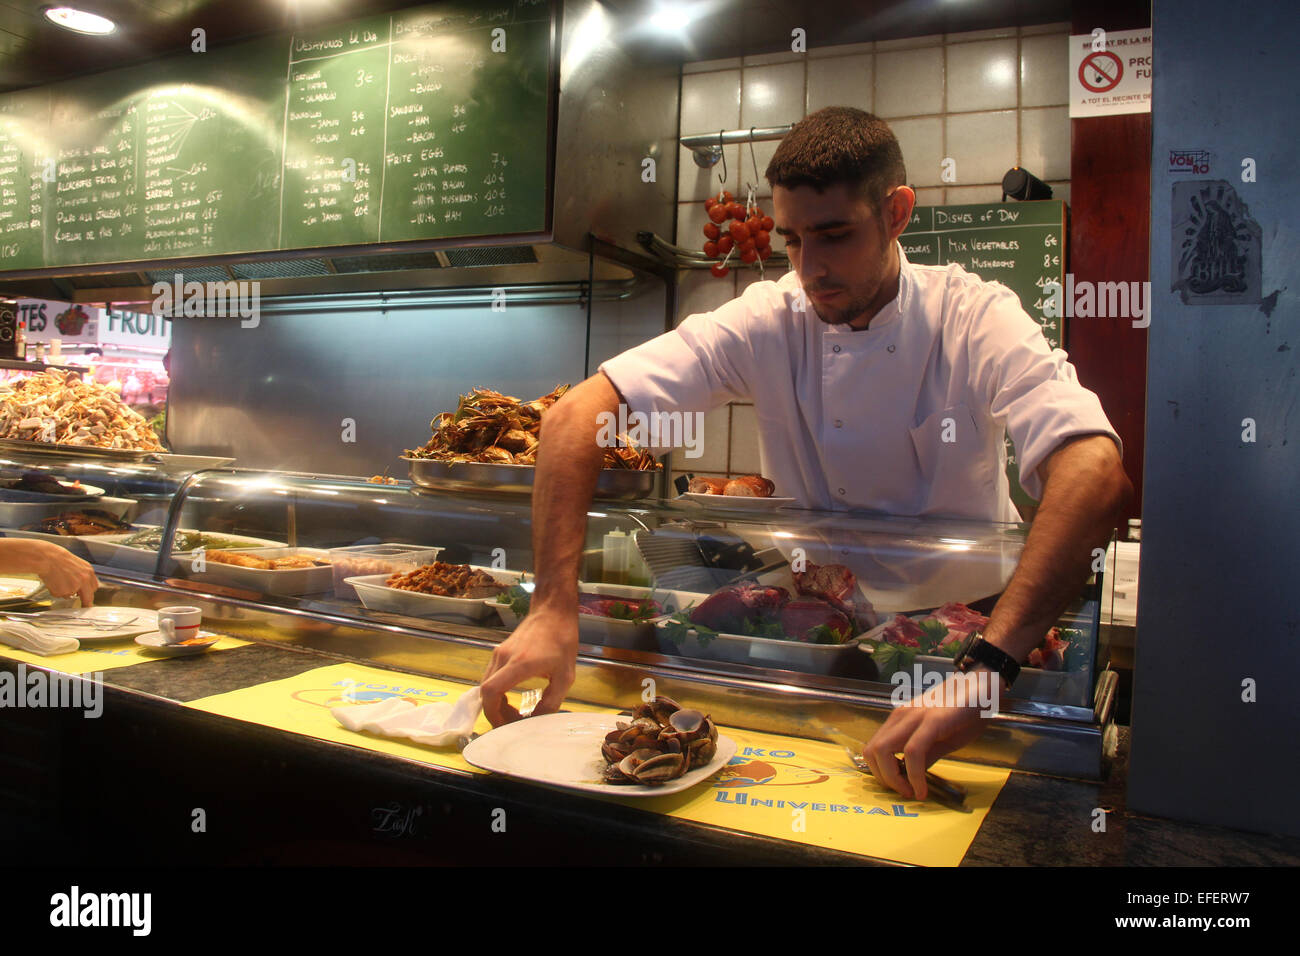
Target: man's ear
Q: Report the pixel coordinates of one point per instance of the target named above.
(898, 210)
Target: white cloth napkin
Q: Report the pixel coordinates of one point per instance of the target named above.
(27, 638)
(435, 725)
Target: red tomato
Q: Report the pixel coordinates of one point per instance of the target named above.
(764, 252)
(747, 246)
(718, 212)
(725, 196)
(725, 244)
(768, 223)
(762, 238)
(737, 211)
(718, 269)
(749, 256)
(739, 231)
(711, 249)
(711, 230)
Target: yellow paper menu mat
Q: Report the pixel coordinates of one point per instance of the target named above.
(785, 787)
(807, 791)
(105, 655)
(301, 705)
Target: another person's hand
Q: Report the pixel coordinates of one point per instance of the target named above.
(926, 728)
(545, 644)
(63, 573)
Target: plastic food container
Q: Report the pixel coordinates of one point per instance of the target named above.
(369, 559)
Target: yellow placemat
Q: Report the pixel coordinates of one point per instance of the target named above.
(806, 791)
(102, 656)
(301, 704)
(784, 787)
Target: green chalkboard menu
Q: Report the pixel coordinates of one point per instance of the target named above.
(429, 123)
(1020, 244)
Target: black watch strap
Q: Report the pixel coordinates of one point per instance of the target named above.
(975, 650)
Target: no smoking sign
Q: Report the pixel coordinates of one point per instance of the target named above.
(1101, 72)
(1110, 72)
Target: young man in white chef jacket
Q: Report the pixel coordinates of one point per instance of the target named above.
(854, 361)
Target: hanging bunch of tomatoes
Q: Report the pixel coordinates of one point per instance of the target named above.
(733, 229)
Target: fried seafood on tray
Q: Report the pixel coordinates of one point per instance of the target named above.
(59, 408)
(490, 428)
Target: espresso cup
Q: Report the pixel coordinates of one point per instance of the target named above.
(177, 624)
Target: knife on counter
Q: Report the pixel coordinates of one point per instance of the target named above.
(941, 791)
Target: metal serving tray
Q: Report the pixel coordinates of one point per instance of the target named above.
(75, 451)
(613, 483)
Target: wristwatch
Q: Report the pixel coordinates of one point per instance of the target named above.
(975, 650)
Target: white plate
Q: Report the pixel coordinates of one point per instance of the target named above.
(288, 581)
(73, 496)
(612, 631)
(563, 750)
(737, 502)
(154, 641)
(132, 622)
(377, 596)
(17, 590)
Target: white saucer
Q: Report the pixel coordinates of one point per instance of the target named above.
(154, 641)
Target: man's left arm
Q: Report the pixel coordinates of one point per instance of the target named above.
(1085, 490)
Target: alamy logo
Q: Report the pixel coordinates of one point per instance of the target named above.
(979, 688)
(1086, 300)
(654, 430)
(75, 908)
(208, 300)
(38, 688)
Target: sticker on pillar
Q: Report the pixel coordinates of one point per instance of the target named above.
(1217, 246)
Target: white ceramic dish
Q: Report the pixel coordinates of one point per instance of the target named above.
(377, 596)
(737, 502)
(757, 651)
(289, 581)
(71, 622)
(108, 550)
(563, 750)
(612, 631)
(154, 641)
(18, 590)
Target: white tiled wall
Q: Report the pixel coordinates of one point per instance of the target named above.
(989, 100)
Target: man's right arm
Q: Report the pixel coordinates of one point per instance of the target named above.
(568, 464)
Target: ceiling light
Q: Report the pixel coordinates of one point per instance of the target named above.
(79, 21)
(671, 18)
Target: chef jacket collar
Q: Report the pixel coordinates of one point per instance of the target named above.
(893, 309)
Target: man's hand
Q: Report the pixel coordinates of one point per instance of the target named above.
(64, 573)
(544, 645)
(925, 729)
(546, 642)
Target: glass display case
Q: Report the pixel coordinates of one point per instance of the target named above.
(850, 604)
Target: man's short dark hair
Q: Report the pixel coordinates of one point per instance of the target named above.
(840, 144)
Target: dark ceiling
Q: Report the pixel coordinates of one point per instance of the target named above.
(35, 52)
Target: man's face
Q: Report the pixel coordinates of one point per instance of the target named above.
(841, 249)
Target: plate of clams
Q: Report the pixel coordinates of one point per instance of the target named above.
(661, 748)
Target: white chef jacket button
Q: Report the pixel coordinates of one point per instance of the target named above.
(835, 348)
(838, 423)
(890, 349)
